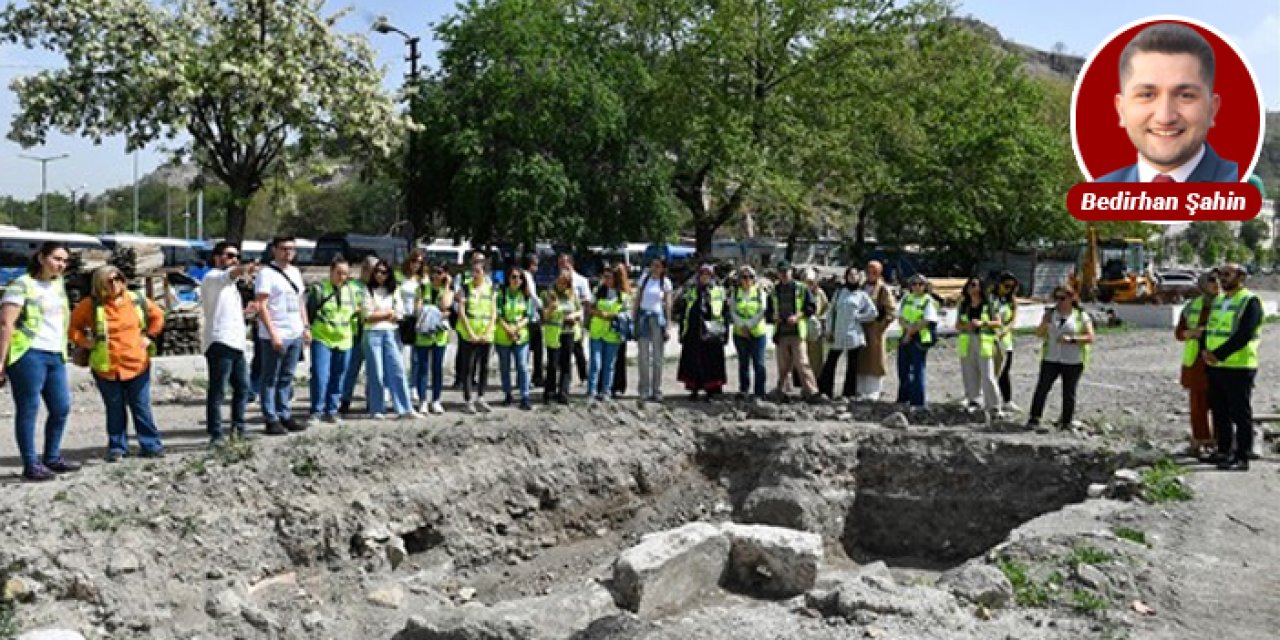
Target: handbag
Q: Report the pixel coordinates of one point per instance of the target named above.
(714, 331)
(80, 356)
(623, 326)
(430, 321)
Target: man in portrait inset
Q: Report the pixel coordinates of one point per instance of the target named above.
(1167, 105)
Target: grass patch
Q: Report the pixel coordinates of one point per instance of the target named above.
(186, 526)
(62, 496)
(1162, 482)
(305, 466)
(1026, 590)
(1132, 535)
(1085, 554)
(1271, 319)
(234, 452)
(1086, 601)
(9, 627)
(108, 520)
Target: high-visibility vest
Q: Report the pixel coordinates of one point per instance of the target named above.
(100, 356)
(602, 329)
(31, 315)
(913, 311)
(430, 295)
(332, 325)
(553, 324)
(1223, 321)
(801, 325)
(358, 291)
(1086, 349)
(512, 309)
(986, 337)
(748, 304)
(1004, 310)
(1191, 318)
(715, 295)
(480, 309)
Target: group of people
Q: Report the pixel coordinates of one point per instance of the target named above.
(396, 324)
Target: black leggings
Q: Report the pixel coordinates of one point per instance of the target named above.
(473, 357)
(1006, 385)
(827, 381)
(559, 370)
(1049, 372)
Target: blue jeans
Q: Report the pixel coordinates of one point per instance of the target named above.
(751, 355)
(225, 365)
(36, 375)
(124, 397)
(385, 370)
(277, 378)
(429, 363)
(520, 353)
(600, 375)
(255, 368)
(328, 371)
(353, 370)
(911, 365)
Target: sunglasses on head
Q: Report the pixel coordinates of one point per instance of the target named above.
(117, 278)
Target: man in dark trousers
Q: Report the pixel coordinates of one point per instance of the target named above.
(1230, 350)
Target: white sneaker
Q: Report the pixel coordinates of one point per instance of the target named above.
(411, 415)
(469, 407)
(437, 408)
(1011, 407)
(425, 407)
(483, 406)
(377, 416)
(313, 420)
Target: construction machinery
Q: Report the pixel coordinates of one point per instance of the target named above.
(1114, 270)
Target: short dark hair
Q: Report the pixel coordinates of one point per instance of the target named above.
(337, 260)
(1169, 37)
(275, 242)
(220, 247)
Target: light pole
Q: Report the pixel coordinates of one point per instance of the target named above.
(135, 192)
(44, 184)
(75, 203)
(382, 25)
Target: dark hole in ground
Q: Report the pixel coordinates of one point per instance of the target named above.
(422, 540)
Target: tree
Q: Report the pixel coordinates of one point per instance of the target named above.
(240, 78)
(1253, 232)
(1186, 252)
(1203, 234)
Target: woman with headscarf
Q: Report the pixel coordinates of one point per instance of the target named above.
(1068, 337)
(1190, 330)
(977, 322)
(700, 315)
(118, 327)
(1004, 296)
(847, 311)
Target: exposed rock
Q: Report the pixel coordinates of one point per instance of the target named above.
(257, 617)
(978, 583)
(1125, 484)
(463, 624)
(668, 571)
(388, 597)
(784, 506)
(1096, 490)
(772, 561)
(1092, 577)
(550, 617)
(51, 634)
(313, 621)
(396, 552)
(896, 420)
(881, 597)
(19, 589)
(764, 410)
(123, 561)
(225, 604)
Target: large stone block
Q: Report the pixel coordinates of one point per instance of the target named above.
(772, 561)
(669, 571)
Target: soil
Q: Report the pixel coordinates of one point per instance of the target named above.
(347, 531)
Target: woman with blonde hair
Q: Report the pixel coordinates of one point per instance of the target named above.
(118, 327)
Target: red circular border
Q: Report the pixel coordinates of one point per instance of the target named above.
(1101, 144)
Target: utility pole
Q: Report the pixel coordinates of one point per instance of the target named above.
(135, 192)
(44, 185)
(410, 202)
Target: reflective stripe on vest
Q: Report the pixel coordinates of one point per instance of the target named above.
(986, 337)
(1191, 317)
(332, 325)
(1223, 322)
(30, 317)
(748, 304)
(715, 294)
(480, 309)
(913, 311)
(100, 356)
(1005, 310)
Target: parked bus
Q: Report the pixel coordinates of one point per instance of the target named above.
(355, 247)
(17, 245)
(178, 253)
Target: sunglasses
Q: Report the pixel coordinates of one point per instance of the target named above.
(231, 255)
(1061, 298)
(382, 272)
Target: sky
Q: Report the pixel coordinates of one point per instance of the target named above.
(1081, 25)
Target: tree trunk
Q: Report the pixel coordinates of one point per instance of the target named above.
(238, 213)
(703, 232)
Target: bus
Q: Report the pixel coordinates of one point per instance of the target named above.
(630, 254)
(446, 251)
(178, 253)
(355, 247)
(17, 245)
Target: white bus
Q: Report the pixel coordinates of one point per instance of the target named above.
(17, 245)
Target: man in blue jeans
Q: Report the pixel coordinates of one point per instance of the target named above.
(224, 339)
(283, 327)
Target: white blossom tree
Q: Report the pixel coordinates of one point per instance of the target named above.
(233, 80)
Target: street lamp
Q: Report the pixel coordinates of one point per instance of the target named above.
(44, 184)
(384, 26)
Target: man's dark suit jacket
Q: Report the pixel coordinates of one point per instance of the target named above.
(1212, 168)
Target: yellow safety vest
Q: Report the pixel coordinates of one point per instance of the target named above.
(512, 309)
(332, 325)
(716, 298)
(986, 337)
(552, 326)
(31, 315)
(601, 329)
(749, 303)
(1223, 322)
(1005, 309)
(801, 325)
(100, 356)
(1086, 349)
(480, 310)
(429, 295)
(1191, 317)
(913, 310)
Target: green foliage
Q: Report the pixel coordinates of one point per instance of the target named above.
(1162, 482)
(1132, 535)
(1086, 601)
(9, 626)
(305, 466)
(1027, 591)
(1085, 554)
(1253, 232)
(1186, 252)
(239, 79)
(234, 452)
(106, 519)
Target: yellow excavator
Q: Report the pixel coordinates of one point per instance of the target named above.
(1114, 270)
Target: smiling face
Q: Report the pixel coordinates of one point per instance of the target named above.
(1167, 107)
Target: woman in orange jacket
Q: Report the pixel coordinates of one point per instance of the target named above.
(117, 327)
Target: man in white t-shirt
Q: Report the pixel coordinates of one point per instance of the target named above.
(223, 339)
(284, 330)
(581, 287)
